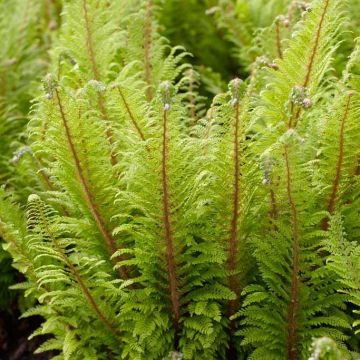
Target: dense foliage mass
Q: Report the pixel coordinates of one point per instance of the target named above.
(158, 213)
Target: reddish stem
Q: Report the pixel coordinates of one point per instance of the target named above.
(168, 233)
(295, 281)
(339, 165)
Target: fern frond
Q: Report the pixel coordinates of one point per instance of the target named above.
(75, 160)
(179, 272)
(61, 266)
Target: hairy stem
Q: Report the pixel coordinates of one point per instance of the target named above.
(295, 281)
(294, 119)
(233, 240)
(89, 42)
(168, 233)
(339, 165)
(192, 99)
(97, 77)
(273, 204)
(357, 170)
(232, 254)
(147, 49)
(316, 45)
(131, 115)
(278, 41)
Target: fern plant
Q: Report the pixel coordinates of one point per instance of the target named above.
(158, 228)
(27, 29)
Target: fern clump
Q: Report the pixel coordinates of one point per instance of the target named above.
(161, 223)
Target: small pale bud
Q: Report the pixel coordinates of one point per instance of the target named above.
(212, 10)
(280, 19)
(49, 84)
(300, 96)
(237, 88)
(307, 103)
(262, 60)
(52, 25)
(33, 197)
(166, 91)
(273, 66)
(97, 85)
(19, 154)
(174, 355)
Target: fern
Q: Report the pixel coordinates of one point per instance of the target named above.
(161, 215)
(157, 227)
(287, 258)
(343, 260)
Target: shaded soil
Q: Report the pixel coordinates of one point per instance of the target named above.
(14, 333)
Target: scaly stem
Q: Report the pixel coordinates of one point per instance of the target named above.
(232, 255)
(131, 115)
(97, 77)
(147, 49)
(168, 233)
(309, 68)
(89, 42)
(295, 281)
(192, 99)
(233, 240)
(278, 41)
(339, 165)
(273, 204)
(316, 45)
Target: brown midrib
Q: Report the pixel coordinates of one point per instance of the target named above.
(294, 292)
(273, 204)
(131, 115)
(232, 255)
(336, 182)
(316, 45)
(96, 73)
(294, 119)
(110, 242)
(192, 99)
(278, 41)
(147, 48)
(170, 257)
(89, 43)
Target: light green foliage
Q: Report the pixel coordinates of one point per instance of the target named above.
(344, 260)
(160, 228)
(26, 30)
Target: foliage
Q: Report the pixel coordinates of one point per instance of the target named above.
(163, 224)
(26, 28)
